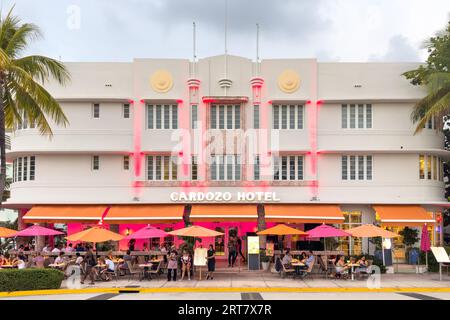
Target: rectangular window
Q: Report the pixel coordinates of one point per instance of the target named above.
(95, 162)
(276, 117)
(150, 117)
(158, 117)
(162, 168)
(19, 170)
(356, 116)
(360, 167)
(194, 168)
(32, 167)
(126, 110)
(421, 166)
(14, 170)
(299, 117)
(194, 116)
(229, 117)
(368, 116)
(25, 168)
(96, 110)
(290, 167)
(344, 117)
(256, 169)
(360, 116)
(237, 117)
(162, 116)
(166, 117)
(174, 116)
(435, 171)
(256, 117)
(213, 117)
(344, 168)
(429, 167)
(126, 162)
(369, 168)
(150, 164)
(225, 168)
(284, 124)
(356, 167)
(292, 110)
(221, 117)
(288, 117)
(352, 168)
(352, 116)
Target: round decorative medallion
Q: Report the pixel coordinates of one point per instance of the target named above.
(289, 81)
(161, 81)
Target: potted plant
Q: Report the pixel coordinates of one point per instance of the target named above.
(265, 260)
(410, 237)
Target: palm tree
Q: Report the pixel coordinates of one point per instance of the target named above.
(22, 95)
(436, 104)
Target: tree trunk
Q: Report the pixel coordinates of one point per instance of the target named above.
(261, 225)
(2, 139)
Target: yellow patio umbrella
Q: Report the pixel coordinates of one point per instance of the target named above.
(282, 230)
(95, 234)
(7, 233)
(371, 231)
(195, 231)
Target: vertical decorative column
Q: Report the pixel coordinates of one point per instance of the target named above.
(137, 153)
(193, 141)
(260, 133)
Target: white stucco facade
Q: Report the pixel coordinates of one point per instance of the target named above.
(63, 163)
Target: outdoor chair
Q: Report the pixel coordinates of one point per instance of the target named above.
(133, 270)
(284, 272)
(323, 268)
(156, 271)
(307, 272)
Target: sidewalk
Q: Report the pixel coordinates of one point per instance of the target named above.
(267, 280)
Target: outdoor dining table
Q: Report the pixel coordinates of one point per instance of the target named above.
(298, 267)
(148, 265)
(57, 265)
(352, 266)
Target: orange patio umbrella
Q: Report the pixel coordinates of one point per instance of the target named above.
(7, 233)
(371, 231)
(195, 231)
(95, 234)
(282, 230)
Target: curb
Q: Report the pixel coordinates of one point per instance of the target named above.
(218, 290)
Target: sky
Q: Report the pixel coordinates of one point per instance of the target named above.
(329, 30)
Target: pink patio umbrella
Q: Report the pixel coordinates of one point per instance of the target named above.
(35, 231)
(425, 244)
(325, 231)
(147, 232)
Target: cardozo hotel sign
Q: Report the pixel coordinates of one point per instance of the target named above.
(224, 197)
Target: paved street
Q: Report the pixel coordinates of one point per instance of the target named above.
(244, 296)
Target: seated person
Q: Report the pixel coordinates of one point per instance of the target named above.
(21, 264)
(79, 258)
(341, 266)
(123, 266)
(38, 260)
(310, 259)
(363, 265)
(287, 259)
(60, 261)
(13, 260)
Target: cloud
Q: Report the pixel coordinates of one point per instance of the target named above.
(399, 50)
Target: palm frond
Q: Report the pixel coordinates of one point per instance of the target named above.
(43, 68)
(20, 39)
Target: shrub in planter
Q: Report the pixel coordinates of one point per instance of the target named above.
(30, 279)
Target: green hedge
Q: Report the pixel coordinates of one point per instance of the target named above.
(30, 279)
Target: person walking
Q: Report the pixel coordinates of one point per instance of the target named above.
(89, 264)
(211, 262)
(232, 251)
(172, 266)
(239, 245)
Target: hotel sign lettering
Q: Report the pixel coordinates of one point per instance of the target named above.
(224, 197)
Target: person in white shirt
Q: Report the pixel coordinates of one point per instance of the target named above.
(109, 264)
(69, 248)
(60, 259)
(21, 264)
(46, 248)
(79, 259)
(56, 250)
